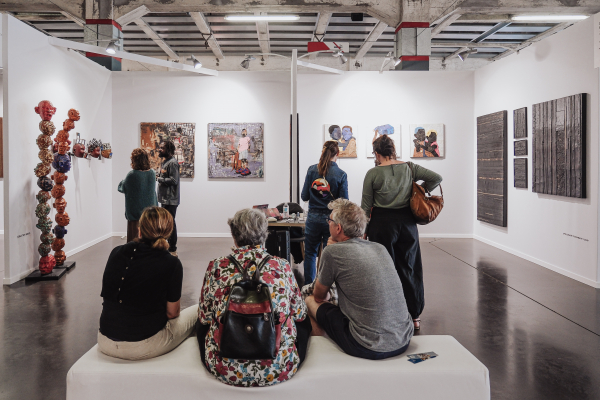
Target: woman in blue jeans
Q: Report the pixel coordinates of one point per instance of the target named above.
(324, 182)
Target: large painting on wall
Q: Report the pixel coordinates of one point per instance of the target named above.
(384, 129)
(559, 129)
(236, 150)
(491, 168)
(427, 141)
(181, 134)
(345, 136)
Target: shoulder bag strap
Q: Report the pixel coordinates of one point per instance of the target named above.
(238, 266)
(259, 267)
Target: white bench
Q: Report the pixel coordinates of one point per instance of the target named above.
(327, 373)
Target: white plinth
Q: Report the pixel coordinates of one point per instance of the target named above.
(326, 373)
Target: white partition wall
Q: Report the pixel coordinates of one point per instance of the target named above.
(559, 233)
(35, 71)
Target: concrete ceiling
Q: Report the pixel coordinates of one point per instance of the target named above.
(178, 28)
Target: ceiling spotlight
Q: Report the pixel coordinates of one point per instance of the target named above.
(341, 55)
(549, 17)
(397, 61)
(111, 48)
(194, 60)
(465, 54)
(246, 63)
(266, 18)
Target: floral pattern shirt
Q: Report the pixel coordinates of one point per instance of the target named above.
(286, 300)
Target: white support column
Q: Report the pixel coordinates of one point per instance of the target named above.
(294, 193)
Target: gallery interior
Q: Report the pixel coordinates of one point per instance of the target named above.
(511, 88)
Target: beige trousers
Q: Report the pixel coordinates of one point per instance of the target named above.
(175, 331)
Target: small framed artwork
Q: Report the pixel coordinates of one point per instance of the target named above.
(427, 141)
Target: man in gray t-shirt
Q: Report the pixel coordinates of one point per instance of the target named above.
(372, 319)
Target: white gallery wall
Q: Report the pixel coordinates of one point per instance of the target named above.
(365, 100)
(187, 97)
(35, 71)
(559, 233)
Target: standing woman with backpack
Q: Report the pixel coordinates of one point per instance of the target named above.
(387, 190)
(324, 183)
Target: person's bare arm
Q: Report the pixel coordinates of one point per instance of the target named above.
(173, 309)
(321, 292)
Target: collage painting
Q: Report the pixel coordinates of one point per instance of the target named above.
(236, 150)
(152, 134)
(427, 141)
(344, 135)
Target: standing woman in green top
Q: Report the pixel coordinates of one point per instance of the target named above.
(386, 199)
(139, 189)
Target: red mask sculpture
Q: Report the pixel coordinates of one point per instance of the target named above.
(95, 152)
(60, 257)
(68, 125)
(73, 114)
(47, 128)
(79, 150)
(59, 177)
(63, 147)
(45, 109)
(60, 204)
(58, 191)
(62, 219)
(43, 141)
(58, 244)
(62, 136)
(47, 264)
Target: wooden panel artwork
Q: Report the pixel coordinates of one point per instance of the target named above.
(520, 123)
(491, 168)
(559, 129)
(520, 147)
(521, 173)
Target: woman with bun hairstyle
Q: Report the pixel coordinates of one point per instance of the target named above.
(324, 182)
(141, 287)
(387, 190)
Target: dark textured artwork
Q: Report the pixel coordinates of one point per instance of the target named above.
(559, 146)
(521, 173)
(491, 168)
(181, 134)
(520, 123)
(520, 148)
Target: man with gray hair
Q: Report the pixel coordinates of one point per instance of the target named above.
(372, 320)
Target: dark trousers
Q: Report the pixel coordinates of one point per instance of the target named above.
(397, 231)
(132, 230)
(173, 239)
(316, 232)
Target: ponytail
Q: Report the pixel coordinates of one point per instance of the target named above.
(161, 244)
(330, 150)
(156, 225)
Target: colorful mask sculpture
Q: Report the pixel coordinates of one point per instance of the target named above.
(44, 225)
(68, 125)
(73, 114)
(61, 163)
(59, 178)
(47, 128)
(63, 148)
(62, 219)
(47, 264)
(43, 142)
(58, 244)
(58, 191)
(45, 183)
(47, 238)
(60, 204)
(46, 156)
(44, 249)
(94, 148)
(60, 257)
(62, 136)
(45, 109)
(41, 170)
(79, 150)
(42, 210)
(59, 231)
(106, 151)
(43, 196)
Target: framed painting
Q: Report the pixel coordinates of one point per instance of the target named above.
(183, 135)
(236, 150)
(344, 135)
(427, 141)
(384, 129)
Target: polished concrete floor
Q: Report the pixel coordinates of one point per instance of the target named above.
(538, 332)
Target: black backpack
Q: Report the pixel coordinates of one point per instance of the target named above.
(249, 328)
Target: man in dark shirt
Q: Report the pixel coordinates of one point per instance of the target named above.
(168, 187)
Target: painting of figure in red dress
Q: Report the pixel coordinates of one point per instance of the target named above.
(236, 150)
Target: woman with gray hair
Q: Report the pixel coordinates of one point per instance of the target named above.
(249, 231)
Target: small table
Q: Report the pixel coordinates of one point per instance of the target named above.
(290, 224)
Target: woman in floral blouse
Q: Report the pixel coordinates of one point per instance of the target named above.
(249, 231)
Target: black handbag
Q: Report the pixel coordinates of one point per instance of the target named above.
(249, 328)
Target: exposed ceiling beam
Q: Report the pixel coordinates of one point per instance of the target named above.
(157, 39)
(262, 29)
(455, 54)
(447, 22)
(474, 45)
(371, 39)
(490, 32)
(534, 39)
(320, 29)
(73, 18)
(204, 28)
(132, 16)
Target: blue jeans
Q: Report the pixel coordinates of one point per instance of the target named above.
(316, 232)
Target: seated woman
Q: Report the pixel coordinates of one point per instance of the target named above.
(249, 231)
(141, 288)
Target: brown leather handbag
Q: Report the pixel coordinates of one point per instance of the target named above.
(424, 206)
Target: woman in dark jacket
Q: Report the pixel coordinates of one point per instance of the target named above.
(141, 288)
(386, 198)
(324, 182)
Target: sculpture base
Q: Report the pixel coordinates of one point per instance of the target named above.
(56, 274)
(68, 265)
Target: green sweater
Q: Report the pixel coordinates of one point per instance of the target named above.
(390, 186)
(140, 192)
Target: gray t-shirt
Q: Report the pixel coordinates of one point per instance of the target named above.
(370, 293)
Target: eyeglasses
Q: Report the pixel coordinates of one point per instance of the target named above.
(330, 220)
